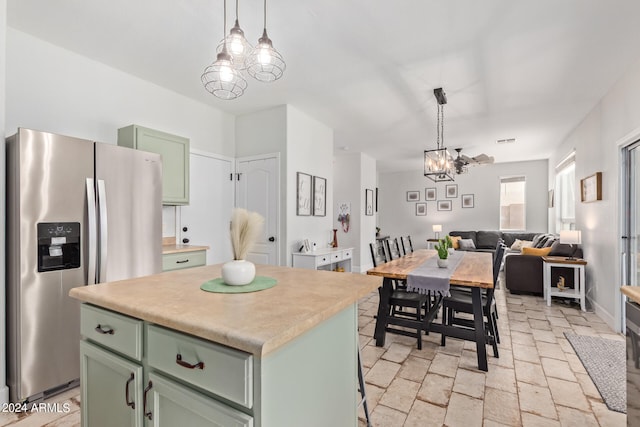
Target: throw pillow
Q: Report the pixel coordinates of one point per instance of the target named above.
(536, 251)
(527, 244)
(561, 249)
(517, 245)
(466, 244)
(537, 239)
(455, 241)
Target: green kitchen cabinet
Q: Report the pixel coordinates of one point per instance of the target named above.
(180, 260)
(175, 159)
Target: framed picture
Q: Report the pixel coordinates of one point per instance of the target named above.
(319, 196)
(451, 191)
(368, 202)
(467, 200)
(591, 188)
(303, 194)
(421, 209)
(444, 205)
(430, 194)
(413, 196)
(376, 199)
(550, 199)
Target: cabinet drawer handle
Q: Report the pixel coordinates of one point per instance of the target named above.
(126, 392)
(108, 331)
(183, 261)
(144, 402)
(179, 361)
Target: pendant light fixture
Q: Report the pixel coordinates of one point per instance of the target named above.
(438, 163)
(265, 63)
(237, 45)
(221, 78)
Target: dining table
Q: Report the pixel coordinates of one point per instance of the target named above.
(473, 271)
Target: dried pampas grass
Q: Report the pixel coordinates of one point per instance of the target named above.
(245, 228)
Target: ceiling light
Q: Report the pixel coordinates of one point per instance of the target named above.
(265, 63)
(237, 45)
(438, 163)
(221, 78)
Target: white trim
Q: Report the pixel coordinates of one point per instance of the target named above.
(607, 317)
(212, 155)
(629, 138)
(259, 157)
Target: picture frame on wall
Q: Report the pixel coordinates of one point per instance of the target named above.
(413, 196)
(451, 191)
(368, 202)
(430, 194)
(421, 209)
(319, 196)
(591, 188)
(550, 199)
(303, 194)
(376, 199)
(444, 205)
(467, 201)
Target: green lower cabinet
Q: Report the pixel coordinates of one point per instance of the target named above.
(171, 404)
(107, 381)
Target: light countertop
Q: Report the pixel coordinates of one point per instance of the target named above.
(633, 292)
(256, 322)
(174, 249)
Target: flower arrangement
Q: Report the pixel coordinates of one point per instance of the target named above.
(245, 229)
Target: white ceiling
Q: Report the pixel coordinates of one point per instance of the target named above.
(529, 70)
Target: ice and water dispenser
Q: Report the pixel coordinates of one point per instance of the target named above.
(58, 246)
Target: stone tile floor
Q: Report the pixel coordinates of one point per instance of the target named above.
(537, 381)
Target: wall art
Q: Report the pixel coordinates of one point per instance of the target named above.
(550, 199)
(467, 200)
(444, 205)
(303, 194)
(413, 196)
(319, 196)
(368, 202)
(591, 188)
(430, 194)
(344, 215)
(421, 209)
(451, 191)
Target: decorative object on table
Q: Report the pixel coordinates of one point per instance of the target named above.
(305, 247)
(443, 253)
(438, 163)
(421, 209)
(303, 194)
(430, 194)
(344, 215)
(368, 204)
(571, 237)
(259, 283)
(591, 188)
(605, 362)
(561, 286)
(413, 196)
(444, 205)
(245, 229)
(377, 231)
(319, 196)
(334, 243)
(437, 229)
(467, 200)
(550, 199)
(451, 191)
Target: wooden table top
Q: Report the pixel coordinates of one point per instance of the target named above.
(475, 269)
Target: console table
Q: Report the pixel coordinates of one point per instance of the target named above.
(578, 292)
(324, 259)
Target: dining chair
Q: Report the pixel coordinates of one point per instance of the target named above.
(393, 249)
(461, 302)
(378, 253)
(407, 246)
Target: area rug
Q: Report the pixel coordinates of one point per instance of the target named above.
(604, 360)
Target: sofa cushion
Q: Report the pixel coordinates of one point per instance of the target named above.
(540, 240)
(487, 239)
(467, 245)
(519, 244)
(464, 235)
(562, 249)
(510, 237)
(455, 242)
(536, 251)
(550, 241)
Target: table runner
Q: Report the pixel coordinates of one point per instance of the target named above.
(430, 277)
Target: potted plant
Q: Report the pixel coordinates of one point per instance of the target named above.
(443, 253)
(449, 244)
(245, 230)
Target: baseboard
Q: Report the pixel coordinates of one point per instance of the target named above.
(603, 314)
(4, 394)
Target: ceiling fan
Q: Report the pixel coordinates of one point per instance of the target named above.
(462, 162)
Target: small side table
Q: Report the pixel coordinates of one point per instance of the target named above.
(578, 292)
(431, 243)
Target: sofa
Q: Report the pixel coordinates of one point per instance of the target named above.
(486, 241)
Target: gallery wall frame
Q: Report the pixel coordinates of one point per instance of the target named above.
(319, 196)
(303, 194)
(413, 196)
(430, 194)
(368, 202)
(591, 188)
(421, 209)
(451, 191)
(467, 201)
(444, 205)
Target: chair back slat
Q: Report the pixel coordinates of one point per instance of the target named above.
(393, 250)
(378, 253)
(407, 246)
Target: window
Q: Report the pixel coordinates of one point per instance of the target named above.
(512, 203)
(565, 193)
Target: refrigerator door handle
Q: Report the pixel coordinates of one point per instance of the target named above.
(92, 232)
(102, 206)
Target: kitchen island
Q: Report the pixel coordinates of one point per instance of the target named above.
(171, 352)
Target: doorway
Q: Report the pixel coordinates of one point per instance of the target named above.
(631, 218)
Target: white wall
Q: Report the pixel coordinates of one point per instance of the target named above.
(397, 216)
(596, 141)
(56, 90)
(309, 150)
(4, 391)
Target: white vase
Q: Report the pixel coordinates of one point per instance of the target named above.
(238, 272)
(443, 263)
(451, 251)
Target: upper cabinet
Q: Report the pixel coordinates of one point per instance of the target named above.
(175, 159)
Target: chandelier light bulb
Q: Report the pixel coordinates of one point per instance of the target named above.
(226, 72)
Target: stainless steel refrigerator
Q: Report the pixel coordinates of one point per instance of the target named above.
(78, 213)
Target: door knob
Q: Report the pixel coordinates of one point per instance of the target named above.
(185, 241)
(272, 239)
(185, 229)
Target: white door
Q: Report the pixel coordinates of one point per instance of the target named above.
(257, 190)
(205, 221)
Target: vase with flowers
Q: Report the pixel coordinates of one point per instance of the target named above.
(245, 229)
(443, 253)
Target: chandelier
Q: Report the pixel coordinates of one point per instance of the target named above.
(224, 78)
(438, 163)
